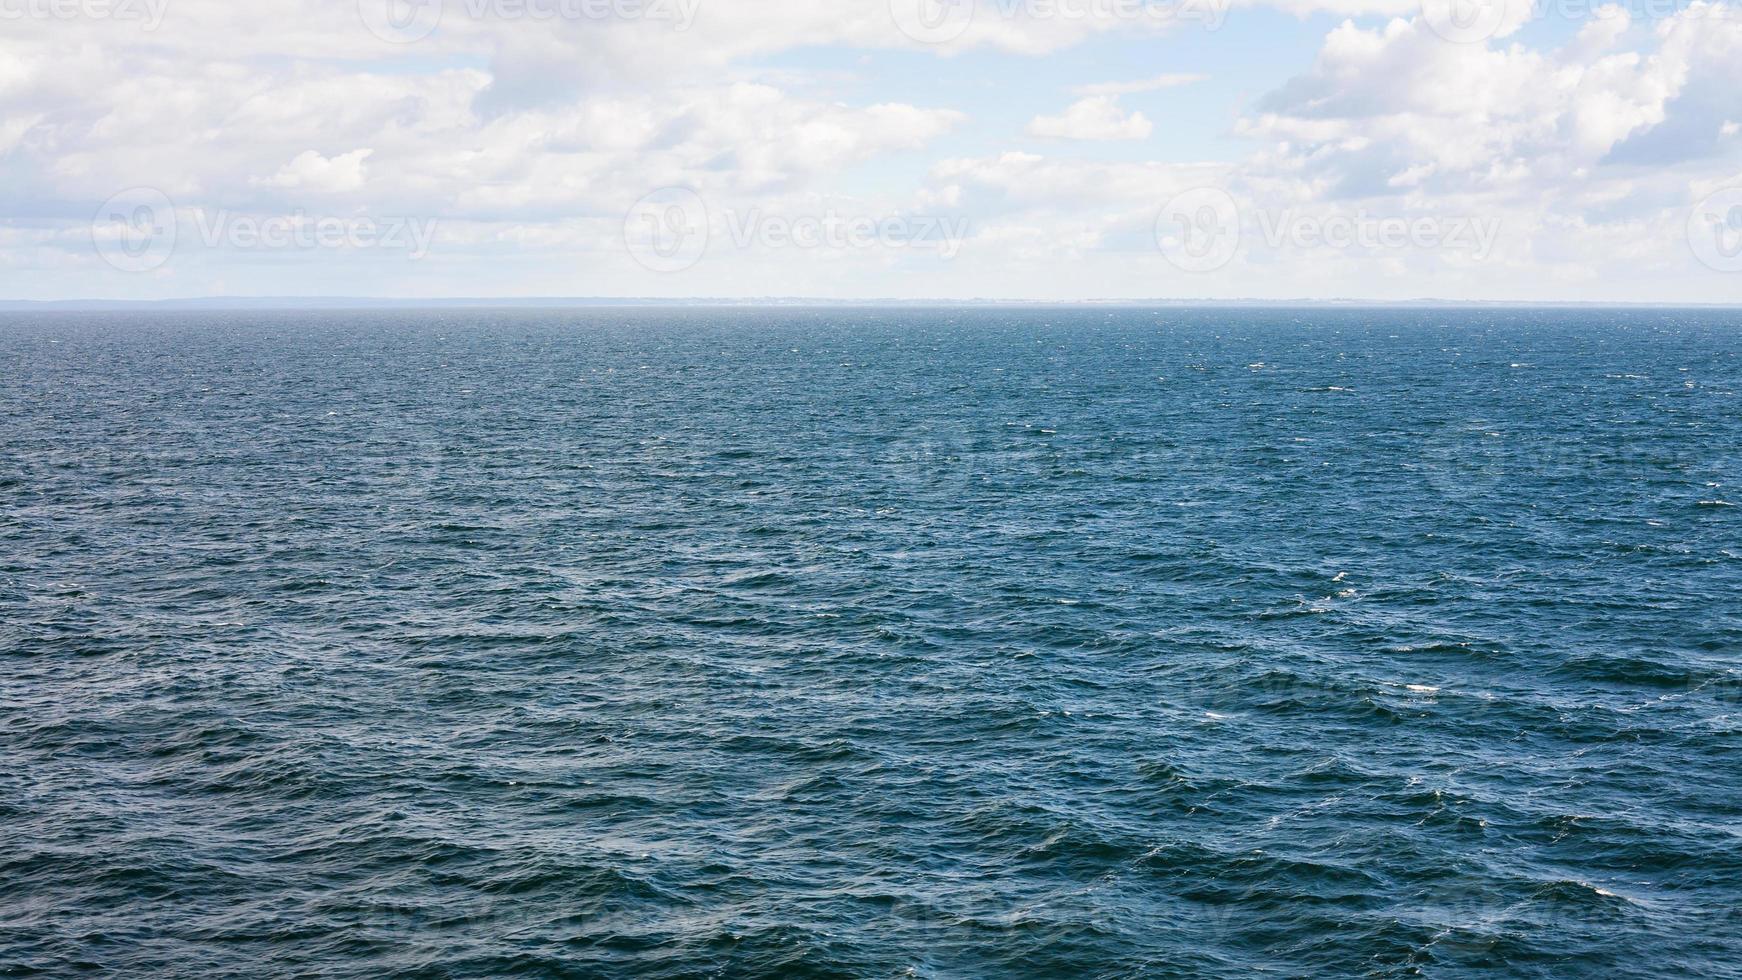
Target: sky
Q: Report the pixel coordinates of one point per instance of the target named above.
(1050, 150)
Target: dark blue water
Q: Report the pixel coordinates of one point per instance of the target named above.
(871, 644)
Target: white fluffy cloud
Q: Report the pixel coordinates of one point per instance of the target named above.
(1098, 117)
(313, 172)
(1097, 114)
(1398, 107)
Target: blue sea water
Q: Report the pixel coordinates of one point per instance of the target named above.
(871, 643)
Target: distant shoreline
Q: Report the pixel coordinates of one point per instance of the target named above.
(291, 303)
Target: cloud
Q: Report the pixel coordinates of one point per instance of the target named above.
(1094, 118)
(312, 172)
(529, 138)
(1399, 107)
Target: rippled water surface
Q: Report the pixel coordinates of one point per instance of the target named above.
(1094, 643)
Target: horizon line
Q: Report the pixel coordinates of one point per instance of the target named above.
(293, 303)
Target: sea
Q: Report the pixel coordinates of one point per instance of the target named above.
(871, 642)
